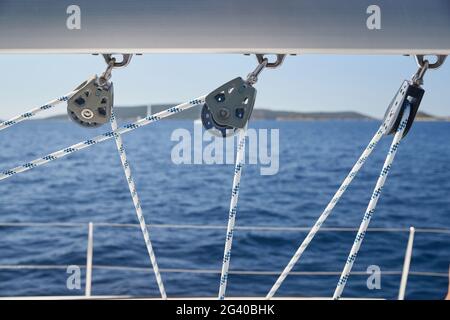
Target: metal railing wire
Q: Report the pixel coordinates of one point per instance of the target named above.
(90, 266)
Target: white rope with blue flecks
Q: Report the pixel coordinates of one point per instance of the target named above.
(372, 205)
(137, 205)
(329, 208)
(121, 149)
(31, 113)
(116, 133)
(103, 137)
(232, 213)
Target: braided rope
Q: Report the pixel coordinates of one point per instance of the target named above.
(31, 113)
(372, 205)
(232, 213)
(329, 208)
(137, 205)
(116, 133)
(103, 137)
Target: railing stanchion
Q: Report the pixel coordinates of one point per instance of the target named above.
(406, 264)
(90, 251)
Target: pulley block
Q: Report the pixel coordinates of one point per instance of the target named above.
(91, 105)
(409, 95)
(229, 107)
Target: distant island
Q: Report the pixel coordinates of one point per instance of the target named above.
(258, 114)
(139, 112)
(268, 114)
(422, 116)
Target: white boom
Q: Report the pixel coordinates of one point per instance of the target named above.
(226, 26)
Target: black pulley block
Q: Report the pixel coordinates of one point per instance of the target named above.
(409, 95)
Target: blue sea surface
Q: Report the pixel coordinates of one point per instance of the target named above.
(314, 159)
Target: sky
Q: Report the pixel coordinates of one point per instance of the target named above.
(303, 83)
